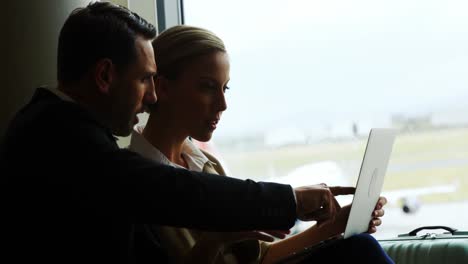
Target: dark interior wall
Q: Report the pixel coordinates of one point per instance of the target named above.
(29, 48)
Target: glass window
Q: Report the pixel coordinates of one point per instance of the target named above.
(310, 78)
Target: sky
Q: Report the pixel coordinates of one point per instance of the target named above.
(320, 66)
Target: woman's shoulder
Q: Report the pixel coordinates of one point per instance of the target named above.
(214, 162)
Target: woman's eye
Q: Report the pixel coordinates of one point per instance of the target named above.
(213, 88)
(209, 87)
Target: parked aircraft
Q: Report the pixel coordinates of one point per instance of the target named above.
(329, 172)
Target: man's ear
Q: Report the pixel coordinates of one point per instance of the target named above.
(104, 75)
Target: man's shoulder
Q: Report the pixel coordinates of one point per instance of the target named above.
(43, 107)
(47, 119)
(55, 107)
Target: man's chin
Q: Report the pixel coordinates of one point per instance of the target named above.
(123, 132)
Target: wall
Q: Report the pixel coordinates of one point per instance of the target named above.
(29, 47)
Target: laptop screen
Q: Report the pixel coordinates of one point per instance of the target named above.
(371, 179)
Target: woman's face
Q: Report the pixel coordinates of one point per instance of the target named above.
(196, 99)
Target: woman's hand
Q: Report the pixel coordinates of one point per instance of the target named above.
(338, 226)
(376, 215)
(227, 238)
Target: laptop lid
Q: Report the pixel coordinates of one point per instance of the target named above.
(371, 179)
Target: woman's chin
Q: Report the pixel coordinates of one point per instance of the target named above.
(203, 138)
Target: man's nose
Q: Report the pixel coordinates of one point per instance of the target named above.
(150, 96)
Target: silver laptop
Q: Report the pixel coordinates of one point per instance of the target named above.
(368, 188)
(371, 179)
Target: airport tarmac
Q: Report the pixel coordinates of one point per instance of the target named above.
(396, 222)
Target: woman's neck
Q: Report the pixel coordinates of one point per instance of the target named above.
(164, 135)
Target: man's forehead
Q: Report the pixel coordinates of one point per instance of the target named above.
(145, 54)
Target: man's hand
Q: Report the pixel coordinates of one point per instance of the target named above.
(377, 214)
(318, 203)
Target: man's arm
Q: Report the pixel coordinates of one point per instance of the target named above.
(161, 194)
(82, 163)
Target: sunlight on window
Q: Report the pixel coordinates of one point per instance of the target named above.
(310, 78)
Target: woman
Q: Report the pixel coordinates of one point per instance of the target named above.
(192, 78)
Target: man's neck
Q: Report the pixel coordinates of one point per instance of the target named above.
(71, 92)
(87, 98)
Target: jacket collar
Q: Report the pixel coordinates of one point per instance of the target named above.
(44, 95)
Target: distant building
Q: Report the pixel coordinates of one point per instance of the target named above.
(412, 123)
(285, 136)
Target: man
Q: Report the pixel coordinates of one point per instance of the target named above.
(74, 197)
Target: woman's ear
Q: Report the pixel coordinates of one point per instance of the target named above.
(161, 85)
(104, 74)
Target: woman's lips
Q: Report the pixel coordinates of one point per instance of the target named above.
(213, 124)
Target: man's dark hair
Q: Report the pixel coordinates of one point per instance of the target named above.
(100, 30)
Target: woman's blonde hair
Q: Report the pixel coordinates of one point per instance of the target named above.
(179, 44)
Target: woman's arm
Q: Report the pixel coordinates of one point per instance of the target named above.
(315, 234)
(205, 250)
(211, 244)
(307, 238)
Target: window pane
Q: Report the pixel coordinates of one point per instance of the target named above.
(310, 78)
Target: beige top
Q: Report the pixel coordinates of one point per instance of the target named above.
(179, 241)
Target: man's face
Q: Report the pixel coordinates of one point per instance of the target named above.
(133, 89)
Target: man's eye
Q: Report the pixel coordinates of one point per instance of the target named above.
(225, 88)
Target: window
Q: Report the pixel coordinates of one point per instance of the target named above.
(310, 78)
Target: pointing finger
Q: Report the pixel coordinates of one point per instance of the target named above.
(338, 190)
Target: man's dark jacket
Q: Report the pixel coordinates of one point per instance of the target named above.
(72, 196)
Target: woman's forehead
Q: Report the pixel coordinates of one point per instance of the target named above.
(208, 64)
